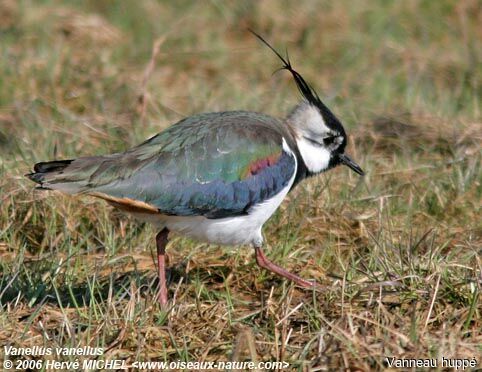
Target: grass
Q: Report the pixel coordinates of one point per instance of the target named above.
(399, 251)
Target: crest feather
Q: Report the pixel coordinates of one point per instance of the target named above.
(305, 89)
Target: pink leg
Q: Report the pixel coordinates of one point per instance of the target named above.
(263, 262)
(161, 241)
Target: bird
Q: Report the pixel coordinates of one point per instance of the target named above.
(214, 177)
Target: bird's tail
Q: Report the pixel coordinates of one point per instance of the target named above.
(70, 176)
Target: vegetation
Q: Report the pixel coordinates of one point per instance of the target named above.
(398, 251)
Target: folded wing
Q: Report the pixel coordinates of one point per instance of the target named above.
(215, 165)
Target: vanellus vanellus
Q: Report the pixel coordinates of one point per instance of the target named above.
(215, 177)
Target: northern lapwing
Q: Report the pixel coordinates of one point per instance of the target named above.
(214, 177)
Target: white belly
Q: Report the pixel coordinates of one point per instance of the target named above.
(226, 231)
(238, 230)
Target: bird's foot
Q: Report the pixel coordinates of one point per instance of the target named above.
(263, 262)
(162, 297)
(161, 242)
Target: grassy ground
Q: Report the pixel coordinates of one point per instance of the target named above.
(399, 251)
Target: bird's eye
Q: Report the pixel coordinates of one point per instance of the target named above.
(329, 140)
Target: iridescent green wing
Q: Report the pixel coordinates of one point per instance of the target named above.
(215, 165)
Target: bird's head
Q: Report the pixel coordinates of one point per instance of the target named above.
(320, 136)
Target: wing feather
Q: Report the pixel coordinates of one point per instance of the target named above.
(215, 165)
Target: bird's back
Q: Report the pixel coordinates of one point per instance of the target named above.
(214, 165)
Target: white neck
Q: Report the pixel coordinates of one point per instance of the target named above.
(315, 158)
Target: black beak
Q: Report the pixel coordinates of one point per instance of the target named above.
(346, 160)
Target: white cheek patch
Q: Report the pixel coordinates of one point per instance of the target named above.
(316, 158)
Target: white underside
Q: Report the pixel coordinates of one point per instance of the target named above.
(238, 230)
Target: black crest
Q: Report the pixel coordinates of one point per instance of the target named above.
(305, 89)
